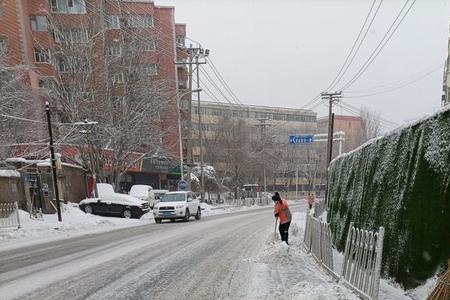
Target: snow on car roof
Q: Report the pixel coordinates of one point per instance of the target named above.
(178, 192)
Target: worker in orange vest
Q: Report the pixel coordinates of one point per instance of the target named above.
(281, 211)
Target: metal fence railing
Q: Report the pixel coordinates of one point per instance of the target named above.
(9, 215)
(317, 240)
(362, 261)
(361, 265)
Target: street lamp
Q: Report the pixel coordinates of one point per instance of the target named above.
(179, 96)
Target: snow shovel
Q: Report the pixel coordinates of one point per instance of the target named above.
(275, 234)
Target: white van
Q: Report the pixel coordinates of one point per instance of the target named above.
(143, 192)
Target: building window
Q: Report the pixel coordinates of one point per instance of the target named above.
(42, 55)
(112, 22)
(150, 69)
(139, 21)
(118, 78)
(182, 84)
(38, 23)
(149, 46)
(1, 8)
(3, 45)
(115, 50)
(71, 36)
(61, 65)
(68, 6)
(180, 41)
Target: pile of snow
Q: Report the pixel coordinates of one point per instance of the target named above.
(211, 210)
(288, 272)
(9, 173)
(388, 288)
(75, 222)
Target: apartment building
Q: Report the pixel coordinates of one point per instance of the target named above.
(268, 127)
(94, 49)
(352, 126)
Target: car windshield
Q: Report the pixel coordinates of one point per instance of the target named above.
(172, 197)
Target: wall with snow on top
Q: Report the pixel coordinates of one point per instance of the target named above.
(399, 181)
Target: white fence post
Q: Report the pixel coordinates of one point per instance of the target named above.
(317, 240)
(17, 214)
(362, 261)
(379, 257)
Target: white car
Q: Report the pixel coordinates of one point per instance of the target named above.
(144, 193)
(112, 203)
(177, 205)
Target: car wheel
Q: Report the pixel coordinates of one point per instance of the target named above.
(187, 216)
(198, 216)
(158, 221)
(88, 209)
(127, 213)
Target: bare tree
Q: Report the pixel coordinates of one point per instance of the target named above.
(371, 126)
(113, 83)
(20, 122)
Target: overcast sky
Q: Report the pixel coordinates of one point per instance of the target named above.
(283, 53)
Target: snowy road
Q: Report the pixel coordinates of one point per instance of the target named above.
(205, 259)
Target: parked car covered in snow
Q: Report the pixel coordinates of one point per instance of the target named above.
(144, 193)
(177, 205)
(115, 204)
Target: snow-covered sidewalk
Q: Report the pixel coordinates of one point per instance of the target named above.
(288, 272)
(75, 223)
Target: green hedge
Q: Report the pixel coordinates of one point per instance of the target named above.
(401, 182)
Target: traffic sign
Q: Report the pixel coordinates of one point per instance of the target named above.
(301, 139)
(182, 185)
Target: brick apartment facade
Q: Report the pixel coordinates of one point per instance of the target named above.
(351, 125)
(31, 33)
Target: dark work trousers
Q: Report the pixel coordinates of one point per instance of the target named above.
(284, 230)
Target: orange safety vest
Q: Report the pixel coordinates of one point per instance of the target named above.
(283, 211)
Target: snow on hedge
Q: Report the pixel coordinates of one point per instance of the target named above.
(399, 181)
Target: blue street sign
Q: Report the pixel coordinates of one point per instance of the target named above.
(182, 185)
(301, 139)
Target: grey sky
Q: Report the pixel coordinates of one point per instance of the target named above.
(283, 53)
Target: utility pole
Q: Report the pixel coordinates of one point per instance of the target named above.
(53, 161)
(296, 182)
(200, 134)
(189, 137)
(194, 54)
(180, 138)
(331, 97)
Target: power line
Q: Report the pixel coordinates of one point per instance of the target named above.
(352, 54)
(382, 44)
(211, 81)
(392, 87)
(222, 80)
(386, 123)
(341, 73)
